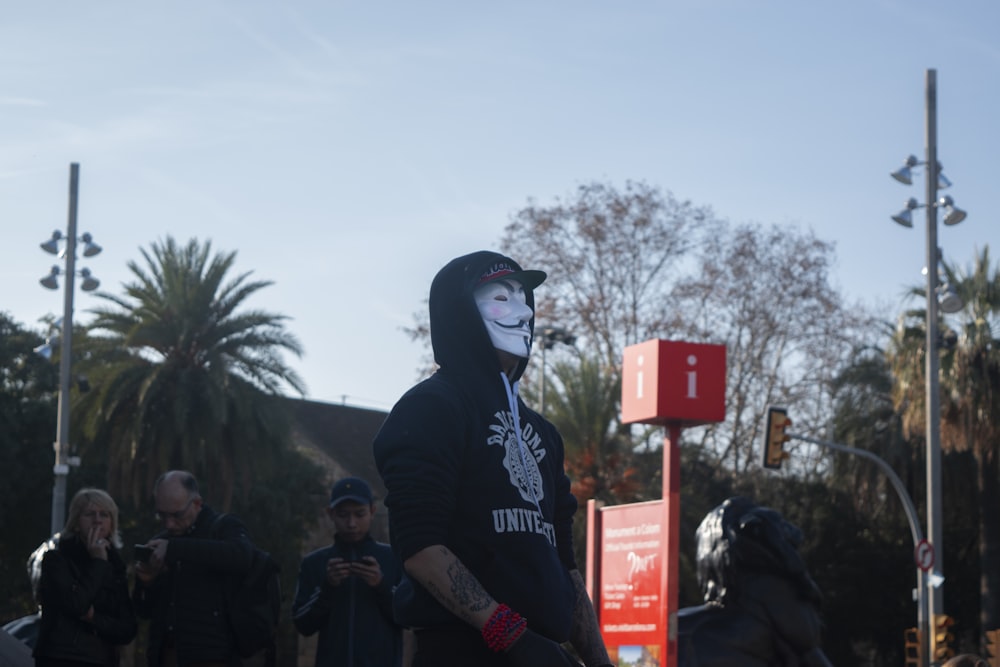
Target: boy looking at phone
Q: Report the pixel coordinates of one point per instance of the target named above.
(344, 590)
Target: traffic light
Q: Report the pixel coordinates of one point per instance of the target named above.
(911, 649)
(942, 637)
(775, 438)
(993, 647)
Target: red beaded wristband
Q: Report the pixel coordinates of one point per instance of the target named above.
(503, 628)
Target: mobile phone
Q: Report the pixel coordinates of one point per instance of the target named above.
(142, 553)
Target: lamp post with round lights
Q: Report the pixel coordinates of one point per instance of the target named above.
(87, 284)
(939, 297)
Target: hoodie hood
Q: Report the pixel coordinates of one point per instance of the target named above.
(458, 335)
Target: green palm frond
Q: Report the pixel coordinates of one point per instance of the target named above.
(186, 369)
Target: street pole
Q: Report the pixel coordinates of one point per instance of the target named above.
(551, 336)
(61, 446)
(935, 594)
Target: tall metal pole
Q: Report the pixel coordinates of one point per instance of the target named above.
(61, 467)
(935, 595)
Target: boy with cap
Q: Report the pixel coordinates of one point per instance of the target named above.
(344, 590)
(480, 509)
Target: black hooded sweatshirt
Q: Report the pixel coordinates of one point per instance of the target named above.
(458, 475)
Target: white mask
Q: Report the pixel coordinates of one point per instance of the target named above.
(506, 314)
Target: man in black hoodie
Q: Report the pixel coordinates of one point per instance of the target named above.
(480, 509)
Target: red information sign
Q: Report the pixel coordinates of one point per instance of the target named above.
(674, 382)
(632, 554)
(631, 610)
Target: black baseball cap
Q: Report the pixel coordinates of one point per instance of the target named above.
(503, 268)
(351, 488)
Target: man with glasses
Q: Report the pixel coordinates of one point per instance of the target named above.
(182, 587)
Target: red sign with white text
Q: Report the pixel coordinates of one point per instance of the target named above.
(631, 611)
(674, 382)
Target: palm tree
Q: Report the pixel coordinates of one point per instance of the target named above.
(971, 409)
(970, 401)
(865, 417)
(183, 376)
(584, 406)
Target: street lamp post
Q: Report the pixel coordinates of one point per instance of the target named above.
(932, 589)
(61, 445)
(935, 596)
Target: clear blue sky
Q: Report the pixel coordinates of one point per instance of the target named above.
(347, 150)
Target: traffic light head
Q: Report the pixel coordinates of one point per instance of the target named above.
(775, 437)
(942, 637)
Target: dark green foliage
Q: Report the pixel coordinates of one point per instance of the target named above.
(279, 511)
(28, 385)
(851, 555)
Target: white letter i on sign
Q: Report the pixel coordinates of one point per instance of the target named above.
(638, 384)
(692, 377)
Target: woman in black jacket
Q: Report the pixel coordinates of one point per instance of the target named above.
(86, 609)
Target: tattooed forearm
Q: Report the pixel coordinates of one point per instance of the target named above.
(452, 584)
(586, 636)
(468, 592)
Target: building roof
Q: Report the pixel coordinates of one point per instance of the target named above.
(339, 438)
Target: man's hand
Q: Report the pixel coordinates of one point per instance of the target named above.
(533, 650)
(337, 570)
(368, 570)
(159, 556)
(146, 572)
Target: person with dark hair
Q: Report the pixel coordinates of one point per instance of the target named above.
(762, 608)
(182, 588)
(344, 590)
(480, 509)
(87, 614)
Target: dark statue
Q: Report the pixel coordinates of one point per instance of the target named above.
(761, 606)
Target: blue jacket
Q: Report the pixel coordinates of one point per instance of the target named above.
(354, 620)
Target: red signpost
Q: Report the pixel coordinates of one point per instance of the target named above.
(632, 557)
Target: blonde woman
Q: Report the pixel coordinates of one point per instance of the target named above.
(83, 590)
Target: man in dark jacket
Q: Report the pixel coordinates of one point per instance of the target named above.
(182, 588)
(480, 509)
(344, 591)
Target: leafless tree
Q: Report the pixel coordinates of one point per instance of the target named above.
(613, 257)
(635, 264)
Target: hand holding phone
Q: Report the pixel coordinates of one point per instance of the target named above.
(368, 570)
(142, 553)
(337, 570)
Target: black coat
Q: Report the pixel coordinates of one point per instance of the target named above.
(71, 583)
(186, 604)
